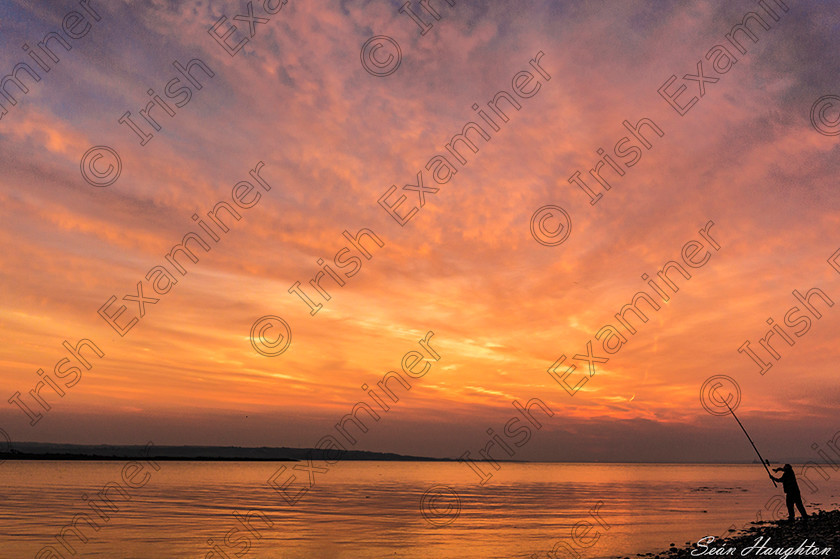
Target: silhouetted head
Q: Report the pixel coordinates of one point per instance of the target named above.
(788, 468)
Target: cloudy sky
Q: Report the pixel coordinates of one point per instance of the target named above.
(333, 138)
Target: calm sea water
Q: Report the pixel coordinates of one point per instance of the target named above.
(364, 510)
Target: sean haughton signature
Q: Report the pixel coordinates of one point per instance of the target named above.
(761, 547)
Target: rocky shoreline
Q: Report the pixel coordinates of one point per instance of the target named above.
(820, 537)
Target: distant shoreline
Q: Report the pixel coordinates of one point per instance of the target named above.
(95, 458)
(61, 452)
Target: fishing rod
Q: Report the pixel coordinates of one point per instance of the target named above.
(763, 461)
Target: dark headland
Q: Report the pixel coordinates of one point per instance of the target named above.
(51, 451)
(820, 537)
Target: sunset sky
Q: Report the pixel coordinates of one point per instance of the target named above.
(503, 308)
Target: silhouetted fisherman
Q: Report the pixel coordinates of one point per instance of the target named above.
(791, 488)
